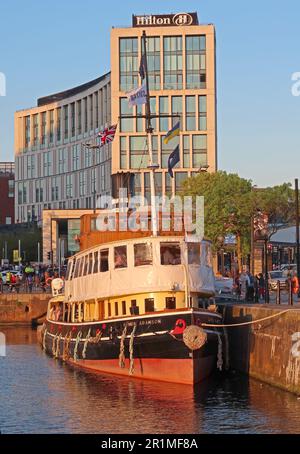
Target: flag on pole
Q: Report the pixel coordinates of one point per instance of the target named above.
(107, 135)
(137, 96)
(174, 158)
(142, 68)
(172, 133)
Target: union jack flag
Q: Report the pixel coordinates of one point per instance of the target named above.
(107, 135)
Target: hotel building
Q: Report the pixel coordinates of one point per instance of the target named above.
(55, 169)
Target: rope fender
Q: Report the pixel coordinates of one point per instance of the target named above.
(131, 367)
(122, 348)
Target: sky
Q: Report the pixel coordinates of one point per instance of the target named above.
(53, 45)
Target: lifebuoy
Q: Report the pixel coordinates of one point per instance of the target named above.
(48, 281)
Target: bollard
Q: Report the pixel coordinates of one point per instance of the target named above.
(278, 293)
(290, 290)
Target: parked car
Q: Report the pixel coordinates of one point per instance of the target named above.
(287, 269)
(223, 287)
(274, 277)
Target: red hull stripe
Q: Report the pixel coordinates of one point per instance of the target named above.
(184, 371)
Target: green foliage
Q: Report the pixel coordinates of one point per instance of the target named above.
(230, 201)
(29, 236)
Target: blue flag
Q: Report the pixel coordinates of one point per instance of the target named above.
(174, 158)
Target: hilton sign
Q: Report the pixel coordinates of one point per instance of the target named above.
(165, 20)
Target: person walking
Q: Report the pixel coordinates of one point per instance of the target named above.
(244, 283)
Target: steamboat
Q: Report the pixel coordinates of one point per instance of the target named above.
(134, 301)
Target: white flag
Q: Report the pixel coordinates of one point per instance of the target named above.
(137, 96)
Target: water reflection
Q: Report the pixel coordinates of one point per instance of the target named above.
(41, 395)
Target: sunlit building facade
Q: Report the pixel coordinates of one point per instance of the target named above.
(182, 81)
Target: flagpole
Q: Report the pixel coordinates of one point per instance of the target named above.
(149, 130)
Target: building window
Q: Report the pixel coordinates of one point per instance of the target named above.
(85, 105)
(126, 123)
(54, 189)
(196, 62)
(149, 305)
(91, 112)
(58, 131)
(168, 184)
(153, 62)
(66, 121)
(44, 128)
(73, 119)
(186, 152)
(128, 63)
(173, 79)
(170, 303)
(138, 152)
(199, 150)
(190, 114)
(35, 129)
(8, 220)
(79, 118)
(163, 109)
(62, 160)
(27, 131)
(69, 187)
(202, 113)
(11, 188)
(96, 109)
(120, 257)
(170, 254)
(179, 178)
(47, 162)
(51, 129)
(104, 266)
(142, 254)
(166, 150)
(176, 109)
(75, 157)
(123, 152)
(82, 184)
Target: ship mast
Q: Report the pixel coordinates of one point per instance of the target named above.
(152, 166)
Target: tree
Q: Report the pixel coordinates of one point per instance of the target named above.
(227, 205)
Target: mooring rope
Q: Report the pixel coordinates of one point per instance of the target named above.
(131, 368)
(76, 345)
(122, 348)
(86, 344)
(247, 323)
(57, 351)
(44, 339)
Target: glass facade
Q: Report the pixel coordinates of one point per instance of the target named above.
(153, 62)
(138, 152)
(128, 63)
(190, 113)
(196, 61)
(173, 71)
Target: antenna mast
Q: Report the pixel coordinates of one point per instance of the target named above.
(149, 131)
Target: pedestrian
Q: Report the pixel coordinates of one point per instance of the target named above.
(260, 286)
(244, 283)
(30, 282)
(250, 288)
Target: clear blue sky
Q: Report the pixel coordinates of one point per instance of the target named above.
(48, 46)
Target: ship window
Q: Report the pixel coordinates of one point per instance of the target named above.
(149, 305)
(104, 261)
(124, 307)
(120, 255)
(90, 261)
(134, 309)
(76, 268)
(193, 254)
(170, 254)
(142, 254)
(170, 303)
(81, 266)
(109, 309)
(96, 262)
(85, 267)
(116, 308)
(68, 270)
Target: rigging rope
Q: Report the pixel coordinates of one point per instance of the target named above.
(131, 368)
(122, 347)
